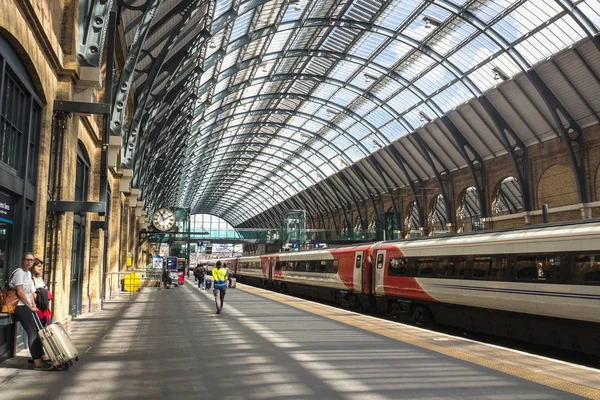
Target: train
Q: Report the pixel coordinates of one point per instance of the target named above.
(539, 284)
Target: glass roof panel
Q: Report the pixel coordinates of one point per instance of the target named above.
(367, 44)
(397, 13)
(372, 88)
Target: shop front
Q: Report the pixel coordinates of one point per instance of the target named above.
(20, 122)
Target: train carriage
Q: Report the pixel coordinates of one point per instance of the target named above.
(538, 283)
(252, 270)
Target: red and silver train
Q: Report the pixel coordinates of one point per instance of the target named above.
(539, 284)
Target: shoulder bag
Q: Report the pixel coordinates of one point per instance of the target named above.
(9, 298)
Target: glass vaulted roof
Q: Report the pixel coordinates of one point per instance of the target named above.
(279, 96)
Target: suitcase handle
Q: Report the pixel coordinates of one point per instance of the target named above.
(38, 322)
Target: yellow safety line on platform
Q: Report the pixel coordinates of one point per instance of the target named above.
(359, 321)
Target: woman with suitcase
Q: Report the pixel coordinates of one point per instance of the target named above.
(24, 312)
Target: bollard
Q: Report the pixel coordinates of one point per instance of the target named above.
(545, 213)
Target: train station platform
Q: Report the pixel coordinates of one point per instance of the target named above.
(170, 344)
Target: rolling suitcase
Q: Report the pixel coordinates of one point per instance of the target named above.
(57, 344)
(232, 283)
(208, 284)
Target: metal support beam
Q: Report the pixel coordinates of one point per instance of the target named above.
(93, 24)
(77, 207)
(518, 152)
(473, 160)
(571, 132)
(79, 107)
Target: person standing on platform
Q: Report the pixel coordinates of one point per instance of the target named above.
(199, 273)
(43, 295)
(219, 274)
(21, 281)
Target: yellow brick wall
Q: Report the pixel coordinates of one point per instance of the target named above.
(43, 33)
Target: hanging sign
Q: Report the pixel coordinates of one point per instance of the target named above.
(7, 209)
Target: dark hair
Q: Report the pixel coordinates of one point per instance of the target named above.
(218, 264)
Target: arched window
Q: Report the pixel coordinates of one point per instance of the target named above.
(509, 198)
(470, 210)
(439, 217)
(357, 227)
(413, 216)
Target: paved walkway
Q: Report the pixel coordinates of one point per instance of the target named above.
(169, 344)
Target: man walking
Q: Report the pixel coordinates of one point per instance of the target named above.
(220, 277)
(199, 275)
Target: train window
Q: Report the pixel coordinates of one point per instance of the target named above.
(452, 267)
(481, 266)
(379, 261)
(526, 268)
(499, 268)
(425, 266)
(322, 266)
(397, 266)
(587, 268)
(358, 261)
(278, 265)
(334, 266)
(548, 268)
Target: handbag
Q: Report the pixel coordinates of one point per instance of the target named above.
(8, 298)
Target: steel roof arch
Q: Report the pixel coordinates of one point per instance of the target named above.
(265, 162)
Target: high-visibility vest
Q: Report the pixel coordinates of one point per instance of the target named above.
(220, 277)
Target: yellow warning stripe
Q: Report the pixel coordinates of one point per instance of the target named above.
(362, 323)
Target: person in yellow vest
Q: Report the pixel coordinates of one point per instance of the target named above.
(219, 274)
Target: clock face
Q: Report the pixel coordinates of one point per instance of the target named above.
(163, 219)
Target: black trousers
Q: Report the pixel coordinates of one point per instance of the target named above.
(219, 298)
(25, 316)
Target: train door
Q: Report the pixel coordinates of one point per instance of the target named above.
(270, 267)
(357, 273)
(378, 270)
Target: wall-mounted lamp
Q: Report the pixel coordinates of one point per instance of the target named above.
(499, 74)
(431, 22)
(424, 117)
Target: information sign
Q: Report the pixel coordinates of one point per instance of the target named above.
(7, 209)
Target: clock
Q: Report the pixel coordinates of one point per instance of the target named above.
(163, 219)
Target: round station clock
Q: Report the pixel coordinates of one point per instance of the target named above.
(163, 219)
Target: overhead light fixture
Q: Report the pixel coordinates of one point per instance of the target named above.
(212, 44)
(264, 68)
(424, 117)
(331, 112)
(376, 145)
(499, 74)
(297, 6)
(431, 22)
(306, 135)
(369, 77)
